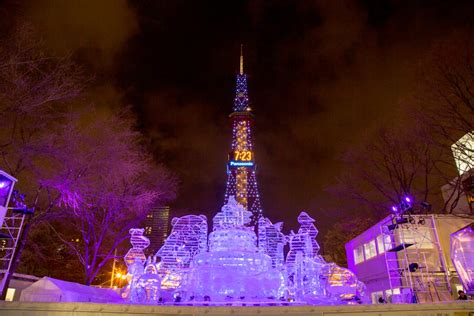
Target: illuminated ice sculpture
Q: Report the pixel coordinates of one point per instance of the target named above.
(233, 268)
(235, 265)
(462, 256)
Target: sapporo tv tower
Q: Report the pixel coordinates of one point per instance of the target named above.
(241, 167)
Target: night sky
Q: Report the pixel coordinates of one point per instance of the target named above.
(322, 76)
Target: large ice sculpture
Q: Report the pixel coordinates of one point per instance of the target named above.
(303, 264)
(462, 256)
(188, 237)
(233, 266)
(233, 269)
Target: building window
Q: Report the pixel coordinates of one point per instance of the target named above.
(370, 250)
(10, 294)
(148, 230)
(358, 255)
(384, 243)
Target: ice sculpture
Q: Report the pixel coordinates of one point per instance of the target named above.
(188, 237)
(462, 256)
(307, 227)
(150, 282)
(341, 283)
(233, 269)
(234, 265)
(139, 243)
(134, 259)
(271, 241)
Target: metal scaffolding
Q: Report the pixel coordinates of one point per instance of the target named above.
(416, 267)
(10, 234)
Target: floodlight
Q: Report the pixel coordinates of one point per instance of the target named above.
(7, 182)
(392, 227)
(406, 205)
(402, 220)
(413, 267)
(426, 206)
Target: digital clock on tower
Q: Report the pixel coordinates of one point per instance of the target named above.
(242, 155)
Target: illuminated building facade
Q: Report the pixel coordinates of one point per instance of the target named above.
(242, 181)
(156, 227)
(458, 194)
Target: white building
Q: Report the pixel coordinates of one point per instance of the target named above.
(408, 260)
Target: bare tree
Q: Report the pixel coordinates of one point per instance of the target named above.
(392, 163)
(82, 167)
(34, 86)
(106, 181)
(444, 103)
(445, 94)
(341, 233)
(413, 156)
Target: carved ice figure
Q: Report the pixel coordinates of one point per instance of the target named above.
(308, 227)
(233, 269)
(298, 245)
(188, 238)
(231, 215)
(150, 283)
(134, 259)
(139, 243)
(271, 241)
(341, 283)
(135, 271)
(230, 267)
(302, 262)
(304, 270)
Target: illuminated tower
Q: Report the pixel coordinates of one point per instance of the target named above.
(241, 179)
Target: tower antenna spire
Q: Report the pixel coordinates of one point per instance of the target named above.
(241, 60)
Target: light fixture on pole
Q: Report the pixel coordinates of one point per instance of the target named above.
(7, 182)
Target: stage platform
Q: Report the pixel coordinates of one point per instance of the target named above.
(457, 308)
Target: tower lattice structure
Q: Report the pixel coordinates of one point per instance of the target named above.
(241, 167)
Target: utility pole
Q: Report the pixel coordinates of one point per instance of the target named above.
(113, 269)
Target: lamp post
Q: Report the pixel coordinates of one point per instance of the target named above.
(113, 269)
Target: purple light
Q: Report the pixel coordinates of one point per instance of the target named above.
(407, 199)
(3, 184)
(394, 208)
